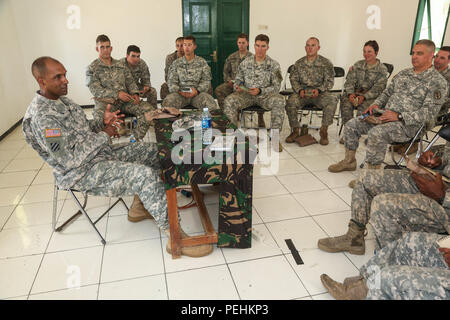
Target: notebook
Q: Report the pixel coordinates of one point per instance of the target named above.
(444, 242)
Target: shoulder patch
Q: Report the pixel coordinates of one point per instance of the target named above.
(53, 133)
(437, 95)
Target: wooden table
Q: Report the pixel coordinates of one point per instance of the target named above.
(235, 180)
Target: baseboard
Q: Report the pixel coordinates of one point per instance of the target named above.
(11, 129)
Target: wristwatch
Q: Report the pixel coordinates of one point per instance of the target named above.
(400, 117)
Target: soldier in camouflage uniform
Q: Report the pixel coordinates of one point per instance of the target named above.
(258, 82)
(170, 58)
(230, 68)
(396, 201)
(82, 156)
(110, 82)
(413, 98)
(410, 268)
(441, 64)
(141, 74)
(365, 82)
(189, 72)
(311, 78)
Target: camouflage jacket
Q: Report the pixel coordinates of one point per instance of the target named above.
(316, 75)
(169, 60)
(140, 73)
(418, 97)
(446, 75)
(106, 81)
(231, 66)
(266, 76)
(59, 131)
(195, 74)
(370, 80)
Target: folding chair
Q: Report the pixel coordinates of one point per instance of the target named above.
(81, 210)
(311, 108)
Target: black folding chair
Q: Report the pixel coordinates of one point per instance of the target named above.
(81, 210)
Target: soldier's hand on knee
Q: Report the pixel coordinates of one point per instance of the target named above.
(136, 99)
(389, 116)
(351, 97)
(254, 91)
(194, 92)
(125, 97)
(431, 186)
(315, 93)
(360, 99)
(446, 253)
(302, 94)
(428, 159)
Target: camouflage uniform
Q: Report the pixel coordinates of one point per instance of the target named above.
(105, 82)
(230, 70)
(418, 97)
(265, 76)
(445, 107)
(318, 74)
(366, 81)
(141, 75)
(410, 268)
(195, 74)
(82, 156)
(170, 58)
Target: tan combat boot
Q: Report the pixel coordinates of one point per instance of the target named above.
(348, 164)
(323, 135)
(291, 138)
(352, 183)
(193, 251)
(355, 289)
(352, 241)
(137, 211)
(261, 123)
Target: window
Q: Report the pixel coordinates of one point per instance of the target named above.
(431, 21)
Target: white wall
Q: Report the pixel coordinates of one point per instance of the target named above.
(15, 94)
(34, 28)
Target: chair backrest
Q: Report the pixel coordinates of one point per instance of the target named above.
(390, 68)
(339, 72)
(289, 70)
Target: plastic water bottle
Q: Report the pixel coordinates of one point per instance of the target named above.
(206, 127)
(132, 138)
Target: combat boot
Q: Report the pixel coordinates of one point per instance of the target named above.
(348, 164)
(192, 251)
(356, 289)
(291, 138)
(352, 241)
(323, 135)
(261, 123)
(341, 140)
(137, 211)
(352, 183)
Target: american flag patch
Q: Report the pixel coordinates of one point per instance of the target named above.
(51, 133)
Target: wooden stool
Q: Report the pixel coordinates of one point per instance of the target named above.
(210, 235)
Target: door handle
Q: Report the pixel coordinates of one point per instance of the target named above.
(214, 55)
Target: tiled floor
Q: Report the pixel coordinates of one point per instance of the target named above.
(299, 200)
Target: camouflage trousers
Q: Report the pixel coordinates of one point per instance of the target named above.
(136, 170)
(378, 137)
(347, 109)
(151, 97)
(164, 91)
(410, 268)
(326, 101)
(223, 91)
(271, 102)
(137, 110)
(200, 101)
(394, 205)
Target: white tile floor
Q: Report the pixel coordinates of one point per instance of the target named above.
(301, 201)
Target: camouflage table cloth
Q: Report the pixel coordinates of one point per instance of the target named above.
(232, 170)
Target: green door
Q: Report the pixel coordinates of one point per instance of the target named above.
(215, 25)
